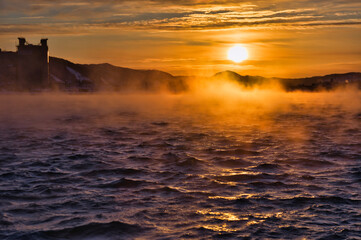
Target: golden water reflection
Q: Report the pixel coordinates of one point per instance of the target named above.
(219, 215)
(247, 219)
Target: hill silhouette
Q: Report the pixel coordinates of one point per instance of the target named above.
(108, 77)
(327, 82)
(69, 76)
(247, 81)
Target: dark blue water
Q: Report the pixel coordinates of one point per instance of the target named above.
(106, 167)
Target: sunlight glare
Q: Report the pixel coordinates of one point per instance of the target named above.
(237, 53)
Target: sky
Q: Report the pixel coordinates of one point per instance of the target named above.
(191, 37)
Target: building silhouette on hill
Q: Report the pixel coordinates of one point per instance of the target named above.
(32, 67)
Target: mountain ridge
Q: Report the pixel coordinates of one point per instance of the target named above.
(326, 82)
(68, 76)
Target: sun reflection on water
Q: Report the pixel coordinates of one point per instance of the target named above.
(219, 215)
(219, 228)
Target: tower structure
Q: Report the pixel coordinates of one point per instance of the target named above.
(32, 65)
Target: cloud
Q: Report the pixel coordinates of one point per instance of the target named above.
(43, 15)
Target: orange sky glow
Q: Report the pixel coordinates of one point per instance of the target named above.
(192, 37)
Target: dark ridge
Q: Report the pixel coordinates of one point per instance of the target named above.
(189, 162)
(123, 183)
(231, 163)
(67, 76)
(112, 172)
(108, 77)
(327, 82)
(247, 81)
(112, 230)
(267, 166)
(242, 201)
(299, 201)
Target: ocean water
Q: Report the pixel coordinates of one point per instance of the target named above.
(260, 165)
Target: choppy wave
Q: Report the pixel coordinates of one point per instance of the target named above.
(191, 174)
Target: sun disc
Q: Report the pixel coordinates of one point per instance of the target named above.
(237, 54)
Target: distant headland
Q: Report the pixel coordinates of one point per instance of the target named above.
(31, 69)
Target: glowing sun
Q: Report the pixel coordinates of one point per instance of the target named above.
(237, 54)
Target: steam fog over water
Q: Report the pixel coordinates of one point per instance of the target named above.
(218, 163)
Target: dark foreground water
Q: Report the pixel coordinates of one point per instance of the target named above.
(111, 167)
